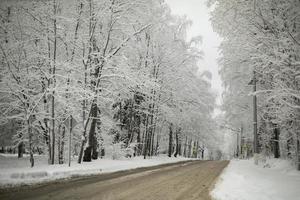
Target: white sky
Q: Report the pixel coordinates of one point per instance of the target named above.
(197, 11)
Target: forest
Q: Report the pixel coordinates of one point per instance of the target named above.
(88, 79)
(260, 70)
(150, 99)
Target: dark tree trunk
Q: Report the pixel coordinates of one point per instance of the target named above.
(62, 145)
(197, 149)
(154, 149)
(185, 146)
(81, 149)
(170, 140)
(144, 149)
(87, 157)
(179, 147)
(53, 83)
(20, 149)
(190, 148)
(145, 144)
(138, 140)
(298, 152)
(149, 142)
(177, 144)
(157, 145)
(30, 142)
(46, 131)
(95, 148)
(131, 125)
(179, 141)
(194, 150)
(52, 132)
(152, 143)
(276, 143)
(151, 130)
(237, 145)
(91, 151)
(59, 143)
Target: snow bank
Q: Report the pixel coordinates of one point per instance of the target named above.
(242, 180)
(16, 171)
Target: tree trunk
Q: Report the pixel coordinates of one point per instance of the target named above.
(70, 139)
(95, 145)
(170, 141)
(276, 143)
(138, 140)
(62, 145)
(145, 143)
(177, 144)
(52, 131)
(131, 125)
(185, 146)
(298, 152)
(152, 143)
(242, 141)
(87, 157)
(190, 148)
(237, 145)
(194, 149)
(91, 151)
(83, 141)
(59, 143)
(20, 149)
(157, 145)
(84, 106)
(149, 142)
(197, 148)
(151, 129)
(155, 130)
(53, 84)
(30, 142)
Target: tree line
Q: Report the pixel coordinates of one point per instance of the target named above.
(96, 77)
(261, 48)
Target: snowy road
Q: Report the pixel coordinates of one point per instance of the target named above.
(189, 180)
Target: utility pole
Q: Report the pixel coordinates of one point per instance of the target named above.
(255, 141)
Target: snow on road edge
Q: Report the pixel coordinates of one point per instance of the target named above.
(242, 180)
(11, 175)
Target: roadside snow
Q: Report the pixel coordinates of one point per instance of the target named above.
(243, 180)
(16, 171)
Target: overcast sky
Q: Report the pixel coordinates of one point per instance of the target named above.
(197, 11)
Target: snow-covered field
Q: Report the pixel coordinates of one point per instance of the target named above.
(243, 180)
(16, 171)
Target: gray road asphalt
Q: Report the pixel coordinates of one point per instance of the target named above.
(181, 181)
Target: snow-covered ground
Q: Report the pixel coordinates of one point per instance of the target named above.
(243, 180)
(16, 171)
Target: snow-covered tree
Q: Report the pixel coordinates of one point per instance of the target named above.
(262, 38)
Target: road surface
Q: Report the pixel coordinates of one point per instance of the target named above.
(181, 181)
